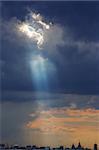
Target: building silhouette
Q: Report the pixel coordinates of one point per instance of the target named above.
(34, 147)
(95, 147)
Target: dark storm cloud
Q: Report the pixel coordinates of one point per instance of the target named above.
(52, 99)
(76, 62)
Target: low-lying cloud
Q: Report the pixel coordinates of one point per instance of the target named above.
(63, 119)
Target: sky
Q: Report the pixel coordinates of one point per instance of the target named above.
(49, 72)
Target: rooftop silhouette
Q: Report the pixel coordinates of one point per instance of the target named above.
(34, 147)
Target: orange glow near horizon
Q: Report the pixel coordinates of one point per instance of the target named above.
(60, 124)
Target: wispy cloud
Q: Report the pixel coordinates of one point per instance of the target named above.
(63, 119)
(66, 123)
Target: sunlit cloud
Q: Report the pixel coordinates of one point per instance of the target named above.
(57, 120)
(76, 124)
(41, 33)
(39, 18)
(32, 33)
(35, 31)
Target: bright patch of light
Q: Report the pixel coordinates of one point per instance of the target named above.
(34, 28)
(32, 33)
(38, 18)
(41, 69)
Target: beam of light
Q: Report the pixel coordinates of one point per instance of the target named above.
(34, 28)
(39, 72)
(42, 70)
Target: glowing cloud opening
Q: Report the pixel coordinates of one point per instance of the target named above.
(35, 29)
(38, 18)
(32, 33)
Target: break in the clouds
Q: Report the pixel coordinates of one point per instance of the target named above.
(46, 35)
(34, 31)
